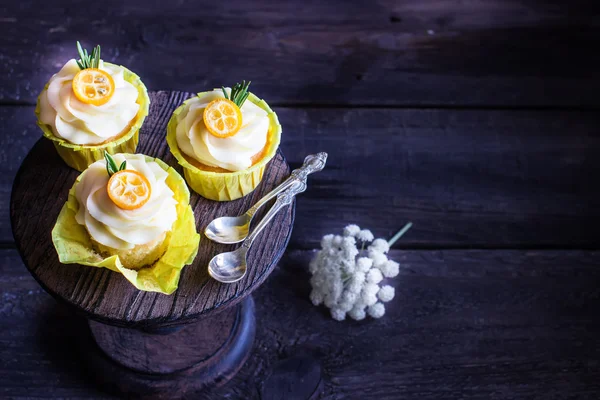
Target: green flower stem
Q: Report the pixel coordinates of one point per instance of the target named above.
(398, 235)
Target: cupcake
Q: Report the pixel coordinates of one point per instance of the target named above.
(131, 214)
(224, 139)
(91, 106)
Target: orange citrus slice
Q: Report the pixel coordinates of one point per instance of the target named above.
(93, 86)
(222, 118)
(128, 189)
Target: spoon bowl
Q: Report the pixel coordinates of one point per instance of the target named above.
(228, 230)
(229, 267)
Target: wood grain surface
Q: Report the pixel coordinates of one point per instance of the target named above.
(476, 120)
(107, 296)
(467, 53)
(476, 324)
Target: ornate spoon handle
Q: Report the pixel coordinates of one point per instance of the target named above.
(312, 163)
(283, 199)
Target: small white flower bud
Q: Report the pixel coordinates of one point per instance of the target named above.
(345, 306)
(338, 314)
(359, 277)
(390, 269)
(364, 264)
(376, 310)
(371, 288)
(374, 276)
(378, 258)
(386, 293)
(349, 297)
(370, 299)
(380, 246)
(357, 313)
(348, 241)
(365, 235)
(369, 294)
(327, 241)
(337, 240)
(359, 303)
(355, 286)
(351, 230)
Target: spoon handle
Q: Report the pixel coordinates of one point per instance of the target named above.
(283, 199)
(312, 163)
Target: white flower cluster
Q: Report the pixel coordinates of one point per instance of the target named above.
(348, 284)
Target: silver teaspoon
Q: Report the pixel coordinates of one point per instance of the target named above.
(230, 230)
(231, 267)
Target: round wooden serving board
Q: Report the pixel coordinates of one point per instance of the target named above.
(40, 190)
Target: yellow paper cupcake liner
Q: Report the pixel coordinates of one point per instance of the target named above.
(225, 186)
(74, 246)
(80, 157)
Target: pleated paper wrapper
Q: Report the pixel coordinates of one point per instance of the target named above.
(73, 243)
(225, 186)
(80, 157)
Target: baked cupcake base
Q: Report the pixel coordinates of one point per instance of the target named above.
(140, 256)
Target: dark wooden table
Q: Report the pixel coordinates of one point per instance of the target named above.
(477, 121)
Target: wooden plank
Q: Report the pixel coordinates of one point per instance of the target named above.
(481, 178)
(464, 323)
(467, 53)
(488, 178)
(18, 133)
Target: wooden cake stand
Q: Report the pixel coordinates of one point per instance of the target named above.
(151, 343)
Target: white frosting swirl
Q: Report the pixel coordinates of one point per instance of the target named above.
(118, 228)
(233, 153)
(81, 123)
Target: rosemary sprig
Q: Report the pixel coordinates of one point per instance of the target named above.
(111, 165)
(86, 60)
(239, 93)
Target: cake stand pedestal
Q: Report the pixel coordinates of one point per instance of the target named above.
(144, 343)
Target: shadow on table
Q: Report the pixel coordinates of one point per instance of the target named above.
(63, 337)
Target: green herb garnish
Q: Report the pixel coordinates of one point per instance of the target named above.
(88, 61)
(239, 93)
(111, 165)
